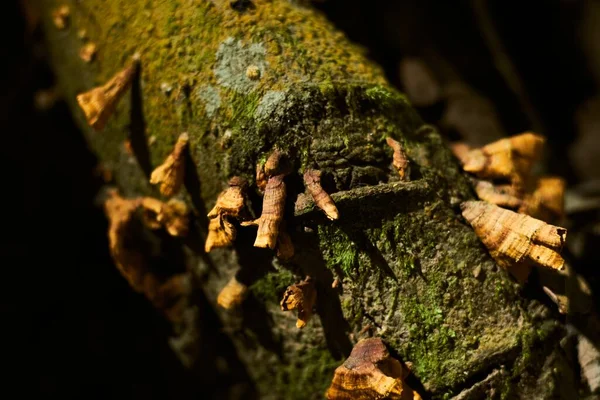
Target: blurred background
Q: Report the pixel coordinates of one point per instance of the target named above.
(479, 70)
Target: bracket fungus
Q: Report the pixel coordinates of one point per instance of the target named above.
(88, 52)
(510, 158)
(221, 233)
(399, 160)
(501, 195)
(99, 103)
(168, 294)
(547, 199)
(231, 201)
(232, 295)
(171, 172)
(312, 180)
(301, 296)
(370, 373)
(515, 239)
(285, 246)
(172, 215)
(60, 16)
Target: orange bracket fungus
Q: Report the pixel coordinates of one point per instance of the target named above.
(501, 195)
(515, 239)
(167, 294)
(98, 104)
(370, 373)
(272, 213)
(173, 215)
(88, 52)
(221, 233)
(232, 295)
(60, 16)
(547, 200)
(231, 201)
(285, 247)
(301, 296)
(511, 158)
(171, 172)
(399, 161)
(312, 180)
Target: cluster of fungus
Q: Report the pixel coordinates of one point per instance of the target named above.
(371, 373)
(509, 219)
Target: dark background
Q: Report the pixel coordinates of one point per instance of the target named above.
(70, 323)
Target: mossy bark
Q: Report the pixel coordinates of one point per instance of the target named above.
(411, 270)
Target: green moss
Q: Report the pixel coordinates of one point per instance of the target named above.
(341, 252)
(270, 287)
(307, 375)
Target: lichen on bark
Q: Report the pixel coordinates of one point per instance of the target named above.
(405, 257)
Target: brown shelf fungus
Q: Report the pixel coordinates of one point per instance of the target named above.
(221, 233)
(546, 202)
(60, 16)
(172, 215)
(501, 195)
(232, 200)
(171, 172)
(370, 373)
(510, 158)
(301, 296)
(399, 160)
(312, 180)
(272, 213)
(88, 52)
(515, 239)
(232, 295)
(98, 104)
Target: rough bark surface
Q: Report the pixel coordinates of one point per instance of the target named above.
(411, 270)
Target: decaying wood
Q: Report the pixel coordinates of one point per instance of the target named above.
(171, 172)
(370, 373)
(301, 296)
(99, 103)
(512, 238)
(312, 181)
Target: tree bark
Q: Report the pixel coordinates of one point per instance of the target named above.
(411, 270)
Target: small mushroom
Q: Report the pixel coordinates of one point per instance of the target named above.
(312, 180)
(370, 373)
(171, 172)
(99, 103)
(232, 295)
(301, 296)
(399, 161)
(515, 239)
